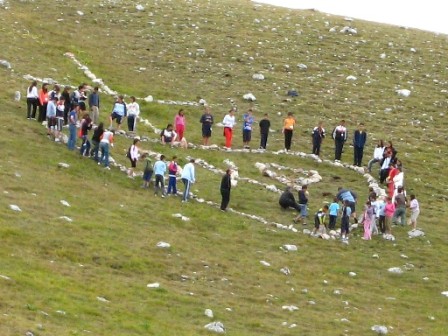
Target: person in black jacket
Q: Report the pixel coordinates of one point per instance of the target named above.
(287, 200)
(226, 185)
(340, 137)
(303, 203)
(359, 140)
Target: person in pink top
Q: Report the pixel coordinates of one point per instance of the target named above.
(179, 124)
(368, 218)
(389, 210)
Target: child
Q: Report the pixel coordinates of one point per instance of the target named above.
(159, 172)
(381, 215)
(333, 209)
(148, 171)
(345, 220)
(373, 226)
(415, 211)
(320, 220)
(368, 219)
(133, 156)
(389, 210)
(172, 172)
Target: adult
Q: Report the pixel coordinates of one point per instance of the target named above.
(133, 156)
(96, 138)
(119, 112)
(107, 141)
(133, 111)
(393, 171)
(398, 180)
(94, 105)
(287, 200)
(378, 153)
(226, 186)
(32, 100)
(188, 177)
(179, 124)
(248, 120)
(359, 141)
(385, 166)
(67, 104)
(348, 197)
(400, 207)
(207, 122)
(303, 202)
(168, 135)
(43, 101)
(55, 93)
(229, 122)
(78, 95)
(391, 150)
(51, 115)
(265, 125)
(415, 211)
(72, 119)
(339, 137)
(318, 136)
(86, 125)
(288, 129)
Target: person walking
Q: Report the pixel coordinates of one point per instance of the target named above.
(318, 136)
(94, 105)
(188, 177)
(264, 125)
(288, 129)
(339, 137)
(226, 186)
(359, 141)
(229, 122)
(32, 101)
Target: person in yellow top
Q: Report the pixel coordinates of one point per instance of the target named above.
(288, 128)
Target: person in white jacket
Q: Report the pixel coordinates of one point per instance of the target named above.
(133, 110)
(188, 177)
(229, 122)
(133, 156)
(378, 155)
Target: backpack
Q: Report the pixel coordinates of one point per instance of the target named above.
(128, 153)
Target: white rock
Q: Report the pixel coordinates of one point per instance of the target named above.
(217, 327)
(375, 256)
(63, 165)
(102, 299)
(177, 215)
(383, 56)
(445, 293)
(415, 233)
(163, 244)
(15, 207)
(5, 64)
(265, 263)
(65, 203)
(17, 96)
(306, 231)
(208, 313)
(291, 308)
(68, 219)
(302, 66)
(337, 292)
(403, 92)
(311, 302)
(351, 78)
(404, 256)
(149, 99)
(153, 285)
(5, 277)
(185, 219)
(289, 247)
(352, 274)
(285, 270)
(395, 270)
(381, 330)
(79, 13)
(139, 7)
(249, 97)
(258, 76)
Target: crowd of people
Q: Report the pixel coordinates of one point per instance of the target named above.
(64, 108)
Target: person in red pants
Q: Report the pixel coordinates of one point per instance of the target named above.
(229, 122)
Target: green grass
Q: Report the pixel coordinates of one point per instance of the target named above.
(57, 269)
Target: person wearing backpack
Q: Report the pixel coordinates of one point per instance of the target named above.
(172, 172)
(148, 171)
(133, 154)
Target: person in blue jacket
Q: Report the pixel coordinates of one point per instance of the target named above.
(345, 195)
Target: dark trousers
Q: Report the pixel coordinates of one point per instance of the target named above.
(316, 147)
(42, 112)
(225, 198)
(382, 224)
(263, 140)
(358, 153)
(288, 139)
(332, 224)
(338, 147)
(384, 173)
(131, 123)
(31, 107)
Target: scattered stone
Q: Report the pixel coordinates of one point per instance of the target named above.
(149, 99)
(249, 97)
(17, 96)
(102, 299)
(404, 256)
(395, 270)
(163, 244)
(425, 279)
(63, 165)
(217, 327)
(305, 291)
(352, 274)
(445, 293)
(415, 233)
(79, 13)
(68, 219)
(5, 277)
(337, 292)
(265, 263)
(381, 330)
(404, 93)
(14, 207)
(285, 271)
(289, 247)
(5, 64)
(291, 308)
(348, 30)
(139, 7)
(376, 256)
(351, 78)
(208, 313)
(153, 285)
(302, 66)
(257, 77)
(65, 203)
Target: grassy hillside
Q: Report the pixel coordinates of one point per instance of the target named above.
(90, 275)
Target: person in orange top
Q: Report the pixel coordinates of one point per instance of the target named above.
(43, 101)
(288, 128)
(393, 171)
